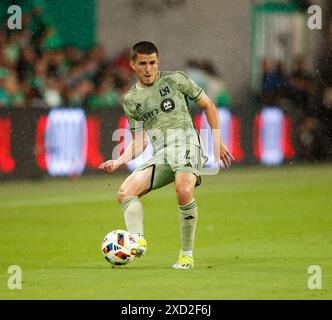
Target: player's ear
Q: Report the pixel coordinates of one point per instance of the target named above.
(132, 64)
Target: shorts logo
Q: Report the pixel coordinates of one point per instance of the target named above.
(167, 105)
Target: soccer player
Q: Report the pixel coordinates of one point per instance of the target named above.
(157, 107)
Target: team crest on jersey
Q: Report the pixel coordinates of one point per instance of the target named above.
(167, 105)
(164, 91)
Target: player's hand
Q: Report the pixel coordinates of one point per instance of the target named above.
(225, 156)
(109, 166)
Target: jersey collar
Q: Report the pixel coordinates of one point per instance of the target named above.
(139, 87)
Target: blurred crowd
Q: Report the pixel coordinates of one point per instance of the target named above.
(207, 77)
(37, 71)
(297, 92)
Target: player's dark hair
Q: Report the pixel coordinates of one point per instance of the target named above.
(143, 47)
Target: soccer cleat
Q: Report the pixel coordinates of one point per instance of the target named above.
(184, 262)
(141, 247)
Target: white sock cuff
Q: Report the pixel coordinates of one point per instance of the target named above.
(187, 252)
(127, 201)
(188, 206)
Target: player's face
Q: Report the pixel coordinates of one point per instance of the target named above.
(146, 68)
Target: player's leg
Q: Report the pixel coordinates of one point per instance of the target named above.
(187, 167)
(185, 183)
(136, 185)
(150, 176)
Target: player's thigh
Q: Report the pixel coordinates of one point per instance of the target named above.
(185, 183)
(137, 184)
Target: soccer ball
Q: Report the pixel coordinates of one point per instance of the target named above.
(118, 247)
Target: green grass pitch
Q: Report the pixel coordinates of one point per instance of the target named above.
(258, 232)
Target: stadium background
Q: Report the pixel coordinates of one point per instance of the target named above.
(61, 81)
(84, 52)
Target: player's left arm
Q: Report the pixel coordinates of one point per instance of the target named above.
(221, 151)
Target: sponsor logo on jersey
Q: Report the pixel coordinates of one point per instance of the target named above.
(146, 116)
(167, 105)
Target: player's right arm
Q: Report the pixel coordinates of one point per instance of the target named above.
(134, 149)
(136, 146)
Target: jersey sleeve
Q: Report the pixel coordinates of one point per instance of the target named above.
(188, 87)
(134, 124)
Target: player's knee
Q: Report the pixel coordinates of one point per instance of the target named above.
(184, 194)
(121, 195)
(125, 192)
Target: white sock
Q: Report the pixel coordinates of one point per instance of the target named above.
(133, 215)
(188, 253)
(188, 221)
